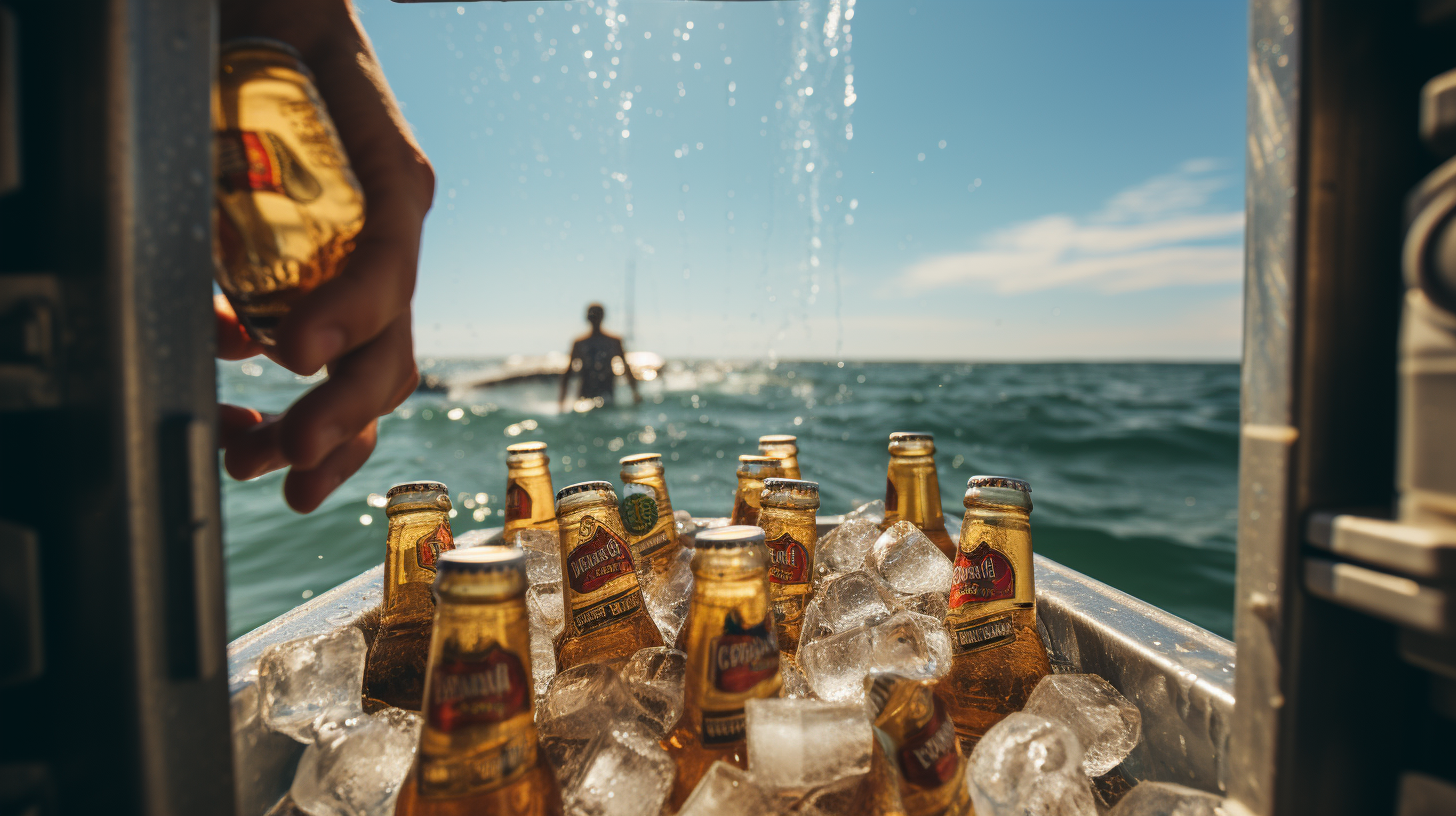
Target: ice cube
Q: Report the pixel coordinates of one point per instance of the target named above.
(795, 684)
(844, 548)
(910, 562)
(473, 538)
(852, 600)
(682, 521)
(835, 666)
(543, 555)
(933, 604)
(356, 765)
(911, 644)
(1028, 764)
(873, 511)
(301, 679)
(1106, 724)
(543, 664)
(1168, 799)
(668, 595)
(799, 744)
(546, 608)
(655, 678)
(621, 774)
(727, 791)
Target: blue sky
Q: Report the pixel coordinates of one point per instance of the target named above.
(1029, 180)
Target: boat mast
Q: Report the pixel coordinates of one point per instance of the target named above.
(631, 297)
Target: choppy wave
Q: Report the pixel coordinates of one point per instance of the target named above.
(1133, 466)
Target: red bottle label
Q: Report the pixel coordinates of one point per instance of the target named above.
(598, 559)
(477, 690)
(892, 496)
(518, 503)
(788, 561)
(928, 758)
(431, 544)
(743, 656)
(258, 161)
(982, 575)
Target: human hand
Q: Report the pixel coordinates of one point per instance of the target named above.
(356, 325)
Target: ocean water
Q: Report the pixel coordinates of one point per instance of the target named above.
(1133, 467)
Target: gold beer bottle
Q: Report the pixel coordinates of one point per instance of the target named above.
(912, 490)
(916, 738)
(785, 448)
(752, 470)
(529, 498)
(647, 512)
(606, 621)
(286, 206)
(419, 531)
(996, 654)
(733, 654)
(790, 532)
(479, 751)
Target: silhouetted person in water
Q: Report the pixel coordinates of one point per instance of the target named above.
(592, 356)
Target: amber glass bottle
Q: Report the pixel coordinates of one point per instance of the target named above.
(790, 531)
(646, 512)
(733, 654)
(606, 620)
(914, 730)
(752, 470)
(912, 490)
(419, 532)
(785, 448)
(529, 500)
(997, 655)
(479, 751)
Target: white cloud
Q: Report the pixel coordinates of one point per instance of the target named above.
(1150, 236)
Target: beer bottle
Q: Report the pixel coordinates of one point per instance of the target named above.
(790, 531)
(419, 532)
(529, 503)
(733, 654)
(647, 512)
(479, 751)
(752, 470)
(785, 448)
(912, 490)
(606, 620)
(916, 737)
(286, 205)
(996, 654)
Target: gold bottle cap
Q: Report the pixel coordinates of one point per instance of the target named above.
(411, 496)
(999, 481)
(722, 538)
(486, 573)
(911, 443)
(526, 447)
(481, 560)
(778, 439)
(639, 459)
(1000, 492)
(585, 487)
(754, 464)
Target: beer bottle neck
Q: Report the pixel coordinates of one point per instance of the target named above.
(994, 559)
(912, 493)
(416, 540)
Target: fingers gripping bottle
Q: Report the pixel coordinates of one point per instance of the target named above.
(790, 532)
(419, 533)
(606, 620)
(733, 654)
(647, 512)
(912, 490)
(785, 448)
(752, 470)
(916, 737)
(479, 749)
(529, 500)
(996, 654)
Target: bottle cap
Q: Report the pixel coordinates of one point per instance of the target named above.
(798, 487)
(778, 439)
(911, 443)
(911, 436)
(416, 487)
(481, 560)
(585, 487)
(999, 481)
(639, 458)
(526, 447)
(411, 496)
(263, 43)
(737, 535)
(754, 464)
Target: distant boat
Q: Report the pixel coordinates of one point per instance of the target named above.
(520, 369)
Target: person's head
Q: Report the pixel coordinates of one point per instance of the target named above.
(594, 315)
